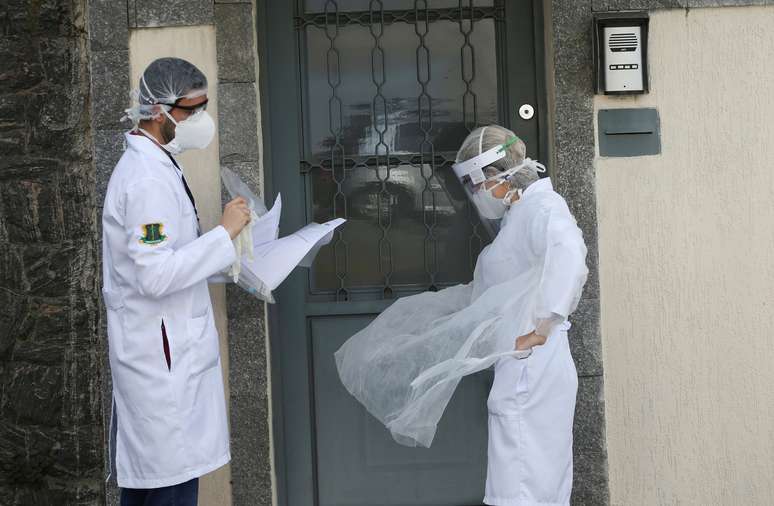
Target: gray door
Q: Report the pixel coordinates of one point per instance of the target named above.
(365, 104)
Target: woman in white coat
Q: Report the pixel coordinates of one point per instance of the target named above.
(532, 401)
(405, 366)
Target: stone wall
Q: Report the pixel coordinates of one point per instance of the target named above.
(51, 449)
(240, 150)
(570, 88)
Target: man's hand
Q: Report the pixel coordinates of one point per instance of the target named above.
(236, 215)
(528, 341)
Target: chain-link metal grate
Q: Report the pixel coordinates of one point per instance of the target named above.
(403, 186)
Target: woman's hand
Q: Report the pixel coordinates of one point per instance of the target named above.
(528, 341)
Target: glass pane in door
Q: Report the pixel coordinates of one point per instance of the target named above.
(403, 223)
(360, 115)
(387, 102)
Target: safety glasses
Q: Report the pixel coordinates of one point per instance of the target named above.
(192, 109)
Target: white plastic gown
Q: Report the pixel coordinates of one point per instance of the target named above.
(405, 366)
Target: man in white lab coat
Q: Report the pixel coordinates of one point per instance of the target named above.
(169, 423)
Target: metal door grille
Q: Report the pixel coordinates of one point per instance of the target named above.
(335, 163)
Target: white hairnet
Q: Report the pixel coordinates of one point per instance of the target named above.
(484, 138)
(163, 83)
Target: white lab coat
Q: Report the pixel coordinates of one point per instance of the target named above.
(169, 425)
(405, 365)
(532, 401)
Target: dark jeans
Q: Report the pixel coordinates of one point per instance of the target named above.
(184, 494)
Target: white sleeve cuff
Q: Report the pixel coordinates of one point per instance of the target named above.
(547, 325)
(221, 248)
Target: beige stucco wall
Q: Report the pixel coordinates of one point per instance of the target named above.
(202, 172)
(687, 270)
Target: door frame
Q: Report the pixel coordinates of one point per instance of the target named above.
(287, 54)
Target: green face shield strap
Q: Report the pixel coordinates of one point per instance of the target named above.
(471, 172)
(508, 144)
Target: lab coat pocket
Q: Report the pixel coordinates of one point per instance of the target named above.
(204, 343)
(113, 299)
(114, 304)
(522, 385)
(510, 387)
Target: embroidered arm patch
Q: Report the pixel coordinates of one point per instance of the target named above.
(152, 233)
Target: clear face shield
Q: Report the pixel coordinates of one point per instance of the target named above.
(478, 180)
(471, 172)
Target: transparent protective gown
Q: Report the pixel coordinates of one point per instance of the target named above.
(405, 366)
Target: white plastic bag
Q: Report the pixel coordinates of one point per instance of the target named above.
(405, 366)
(244, 241)
(237, 188)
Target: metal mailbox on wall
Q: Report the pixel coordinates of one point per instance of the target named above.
(629, 132)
